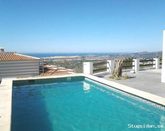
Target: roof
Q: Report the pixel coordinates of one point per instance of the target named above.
(11, 56)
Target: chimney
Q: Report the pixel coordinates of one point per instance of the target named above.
(2, 50)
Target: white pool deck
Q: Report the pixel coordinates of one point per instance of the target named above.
(6, 95)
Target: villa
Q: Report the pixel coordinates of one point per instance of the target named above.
(70, 101)
(82, 65)
(78, 101)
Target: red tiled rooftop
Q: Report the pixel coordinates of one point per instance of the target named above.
(11, 56)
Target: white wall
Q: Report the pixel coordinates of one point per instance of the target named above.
(88, 68)
(163, 59)
(18, 68)
(110, 65)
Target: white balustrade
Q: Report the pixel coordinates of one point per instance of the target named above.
(88, 68)
(156, 63)
(110, 65)
(136, 65)
(163, 59)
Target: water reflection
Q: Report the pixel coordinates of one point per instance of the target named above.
(162, 123)
(86, 87)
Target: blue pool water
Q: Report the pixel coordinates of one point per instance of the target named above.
(81, 105)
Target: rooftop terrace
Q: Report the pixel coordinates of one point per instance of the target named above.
(147, 80)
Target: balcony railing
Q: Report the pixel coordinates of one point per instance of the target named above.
(129, 64)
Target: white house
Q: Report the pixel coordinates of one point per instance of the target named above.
(18, 65)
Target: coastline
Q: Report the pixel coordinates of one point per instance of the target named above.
(94, 55)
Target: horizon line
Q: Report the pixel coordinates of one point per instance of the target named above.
(91, 52)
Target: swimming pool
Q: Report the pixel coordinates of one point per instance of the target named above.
(80, 104)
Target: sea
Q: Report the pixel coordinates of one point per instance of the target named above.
(133, 55)
(41, 55)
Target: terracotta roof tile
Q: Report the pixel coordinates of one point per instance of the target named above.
(11, 56)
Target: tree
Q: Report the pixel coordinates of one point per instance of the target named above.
(117, 72)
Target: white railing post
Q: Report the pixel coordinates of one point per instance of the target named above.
(136, 65)
(110, 65)
(163, 59)
(156, 63)
(88, 68)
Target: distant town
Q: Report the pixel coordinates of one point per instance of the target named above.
(75, 62)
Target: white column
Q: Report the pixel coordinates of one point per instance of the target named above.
(136, 65)
(156, 63)
(88, 68)
(163, 59)
(110, 65)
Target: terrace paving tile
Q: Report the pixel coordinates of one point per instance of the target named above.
(147, 80)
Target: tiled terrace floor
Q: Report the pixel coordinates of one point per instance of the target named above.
(148, 81)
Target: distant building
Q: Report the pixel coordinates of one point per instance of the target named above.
(18, 65)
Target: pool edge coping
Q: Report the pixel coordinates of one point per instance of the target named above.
(6, 87)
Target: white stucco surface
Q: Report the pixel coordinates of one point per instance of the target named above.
(163, 59)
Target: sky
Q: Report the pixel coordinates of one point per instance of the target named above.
(63, 26)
